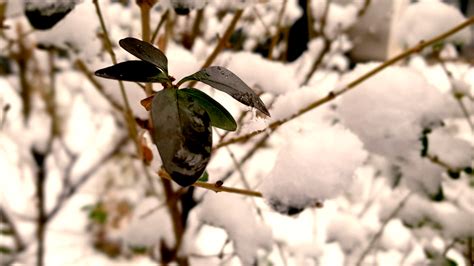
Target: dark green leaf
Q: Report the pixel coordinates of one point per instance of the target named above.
(98, 214)
(204, 177)
(6, 231)
(226, 81)
(146, 52)
(219, 116)
(138, 71)
(5, 250)
(182, 133)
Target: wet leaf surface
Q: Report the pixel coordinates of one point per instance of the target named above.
(146, 52)
(182, 134)
(219, 116)
(224, 80)
(138, 71)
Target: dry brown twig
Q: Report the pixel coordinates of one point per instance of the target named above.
(332, 95)
(216, 187)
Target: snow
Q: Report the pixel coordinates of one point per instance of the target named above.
(47, 8)
(339, 17)
(312, 168)
(425, 19)
(457, 153)
(271, 77)
(241, 225)
(148, 225)
(347, 230)
(74, 31)
(359, 154)
(389, 116)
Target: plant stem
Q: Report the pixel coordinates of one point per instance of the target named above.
(382, 228)
(215, 187)
(163, 18)
(332, 95)
(326, 42)
(128, 115)
(83, 68)
(278, 29)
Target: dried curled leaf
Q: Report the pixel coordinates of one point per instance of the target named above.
(182, 134)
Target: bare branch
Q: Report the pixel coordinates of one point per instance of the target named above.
(332, 95)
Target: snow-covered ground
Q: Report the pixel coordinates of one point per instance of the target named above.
(377, 176)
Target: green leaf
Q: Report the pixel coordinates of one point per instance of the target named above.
(146, 52)
(219, 116)
(223, 79)
(5, 250)
(138, 71)
(182, 133)
(98, 214)
(204, 177)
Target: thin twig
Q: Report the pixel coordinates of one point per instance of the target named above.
(71, 190)
(222, 42)
(436, 160)
(128, 115)
(466, 114)
(364, 8)
(83, 68)
(19, 243)
(382, 228)
(278, 29)
(309, 15)
(470, 250)
(196, 29)
(215, 187)
(332, 95)
(326, 44)
(449, 247)
(163, 18)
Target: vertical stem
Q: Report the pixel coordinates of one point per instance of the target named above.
(41, 219)
(470, 250)
(278, 29)
(21, 58)
(163, 18)
(128, 115)
(145, 18)
(196, 27)
(145, 7)
(222, 42)
(178, 229)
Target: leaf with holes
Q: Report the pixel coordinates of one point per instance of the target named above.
(182, 133)
(219, 116)
(226, 81)
(138, 71)
(146, 52)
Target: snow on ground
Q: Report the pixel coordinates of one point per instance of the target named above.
(358, 155)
